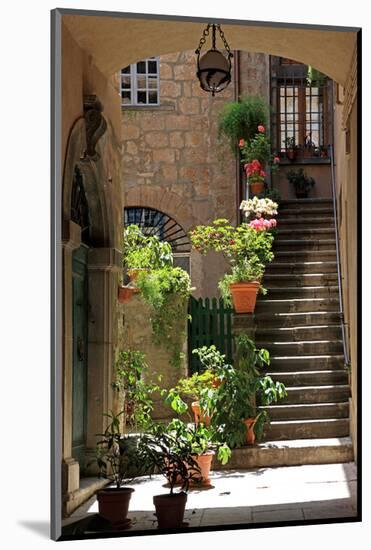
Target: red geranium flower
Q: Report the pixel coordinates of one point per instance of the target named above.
(261, 128)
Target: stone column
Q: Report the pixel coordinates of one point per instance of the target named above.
(104, 264)
(71, 239)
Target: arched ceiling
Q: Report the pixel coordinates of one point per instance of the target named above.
(114, 42)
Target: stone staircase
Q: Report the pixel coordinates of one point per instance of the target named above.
(298, 321)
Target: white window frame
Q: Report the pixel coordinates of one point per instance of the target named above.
(134, 84)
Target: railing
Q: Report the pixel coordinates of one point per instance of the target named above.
(338, 263)
(210, 323)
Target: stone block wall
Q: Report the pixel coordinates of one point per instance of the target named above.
(172, 159)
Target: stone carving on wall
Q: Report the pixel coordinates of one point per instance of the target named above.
(95, 123)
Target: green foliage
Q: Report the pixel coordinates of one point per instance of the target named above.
(315, 77)
(300, 180)
(145, 252)
(136, 394)
(258, 148)
(239, 120)
(199, 387)
(274, 195)
(244, 272)
(166, 291)
(210, 358)
(117, 454)
(164, 452)
(242, 387)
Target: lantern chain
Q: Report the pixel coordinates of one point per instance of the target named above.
(203, 39)
(224, 41)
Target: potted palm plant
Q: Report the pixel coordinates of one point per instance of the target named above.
(161, 452)
(116, 457)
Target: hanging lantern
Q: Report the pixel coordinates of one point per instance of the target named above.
(213, 68)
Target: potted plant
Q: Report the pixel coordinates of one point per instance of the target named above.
(302, 183)
(116, 457)
(256, 208)
(291, 148)
(247, 246)
(161, 452)
(143, 252)
(238, 120)
(237, 414)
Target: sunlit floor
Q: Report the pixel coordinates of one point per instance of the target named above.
(250, 496)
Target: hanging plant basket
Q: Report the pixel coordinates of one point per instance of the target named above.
(244, 296)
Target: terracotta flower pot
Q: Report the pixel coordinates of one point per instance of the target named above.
(114, 505)
(199, 416)
(244, 296)
(250, 434)
(170, 510)
(124, 294)
(204, 463)
(257, 187)
(291, 154)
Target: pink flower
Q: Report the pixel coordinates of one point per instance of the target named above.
(261, 128)
(241, 143)
(276, 160)
(273, 223)
(258, 215)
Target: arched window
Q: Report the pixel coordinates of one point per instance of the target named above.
(154, 222)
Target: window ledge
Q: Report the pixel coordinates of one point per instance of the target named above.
(148, 108)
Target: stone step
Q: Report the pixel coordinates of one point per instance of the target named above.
(300, 267)
(272, 280)
(289, 453)
(305, 292)
(304, 255)
(286, 320)
(309, 222)
(304, 234)
(308, 411)
(309, 347)
(305, 429)
(296, 305)
(303, 363)
(305, 203)
(301, 213)
(311, 378)
(281, 245)
(299, 334)
(316, 394)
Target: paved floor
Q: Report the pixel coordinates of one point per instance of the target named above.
(251, 496)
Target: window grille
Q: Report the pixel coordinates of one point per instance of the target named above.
(140, 83)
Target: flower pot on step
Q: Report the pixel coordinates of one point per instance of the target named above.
(113, 505)
(199, 416)
(124, 294)
(244, 296)
(170, 510)
(250, 434)
(204, 463)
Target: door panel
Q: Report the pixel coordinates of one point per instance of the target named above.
(80, 348)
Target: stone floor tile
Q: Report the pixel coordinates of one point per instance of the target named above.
(334, 511)
(281, 514)
(226, 516)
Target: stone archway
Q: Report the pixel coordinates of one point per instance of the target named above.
(102, 263)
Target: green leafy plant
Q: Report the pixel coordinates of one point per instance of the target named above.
(117, 454)
(300, 181)
(244, 385)
(166, 291)
(239, 120)
(136, 393)
(163, 452)
(141, 251)
(248, 271)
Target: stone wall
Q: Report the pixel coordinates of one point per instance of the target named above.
(172, 159)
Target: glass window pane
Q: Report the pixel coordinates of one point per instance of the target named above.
(152, 67)
(152, 82)
(141, 67)
(152, 97)
(126, 69)
(142, 97)
(125, 81)
(126, 97)
(141, 82)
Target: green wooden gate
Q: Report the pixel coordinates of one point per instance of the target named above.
(210, 323)
(80, 348)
